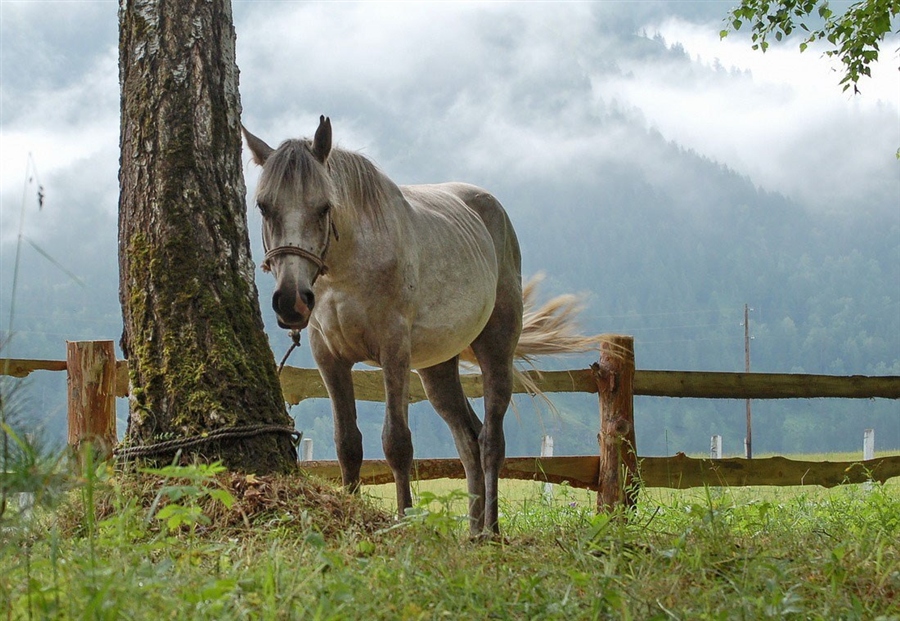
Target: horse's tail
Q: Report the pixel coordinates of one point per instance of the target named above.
(551, 329)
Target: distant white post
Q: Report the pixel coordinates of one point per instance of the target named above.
(868, 451)
(547, 451)
(715, 447)
(306, 449)
(868, 444)
(26, 499)
(26, 503)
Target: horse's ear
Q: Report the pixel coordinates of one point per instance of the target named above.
(322, 142)
(260, 150)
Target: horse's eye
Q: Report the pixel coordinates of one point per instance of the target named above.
(263, 209)
(324, 209)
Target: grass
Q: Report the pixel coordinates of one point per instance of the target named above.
(198, 543)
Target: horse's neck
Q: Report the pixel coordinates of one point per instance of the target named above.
(368, 235)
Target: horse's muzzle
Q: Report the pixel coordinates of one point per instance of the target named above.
(293, 309)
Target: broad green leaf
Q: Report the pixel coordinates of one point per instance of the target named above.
(222, 496)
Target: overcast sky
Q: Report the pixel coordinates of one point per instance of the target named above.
(510, 92)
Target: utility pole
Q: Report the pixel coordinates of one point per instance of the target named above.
(748, 441)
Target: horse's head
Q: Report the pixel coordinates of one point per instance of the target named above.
(295, 197)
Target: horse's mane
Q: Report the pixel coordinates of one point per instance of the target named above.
(356, 184)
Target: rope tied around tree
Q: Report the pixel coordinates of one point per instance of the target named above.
(227, 433)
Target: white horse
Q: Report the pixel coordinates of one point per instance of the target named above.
(406, 277)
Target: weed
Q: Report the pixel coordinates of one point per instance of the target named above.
(188, 487)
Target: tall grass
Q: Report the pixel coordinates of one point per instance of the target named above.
(284, 548)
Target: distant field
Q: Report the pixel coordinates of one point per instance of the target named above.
(517, 492)
(848, 456)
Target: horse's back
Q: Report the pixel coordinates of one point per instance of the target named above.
(489, 210)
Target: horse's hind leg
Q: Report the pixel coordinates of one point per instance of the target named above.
(445, 393)
(494, 348)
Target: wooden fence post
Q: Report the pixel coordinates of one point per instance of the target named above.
(91, 371)
(614, 374)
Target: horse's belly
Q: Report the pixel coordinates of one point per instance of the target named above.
(444, 332)
(452, 314)
(455, 284)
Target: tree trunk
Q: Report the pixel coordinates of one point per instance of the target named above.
(198, 357)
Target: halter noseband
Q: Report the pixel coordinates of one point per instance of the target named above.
(318, 261)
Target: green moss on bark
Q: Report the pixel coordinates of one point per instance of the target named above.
(198, 356)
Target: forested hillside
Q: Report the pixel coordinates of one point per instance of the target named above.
(663, 243)
(672, 262)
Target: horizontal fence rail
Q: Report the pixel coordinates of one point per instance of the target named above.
(677, 472)
(299, 384)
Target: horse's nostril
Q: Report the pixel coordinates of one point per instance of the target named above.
(292, 305)
(308, 298)
(276, 301)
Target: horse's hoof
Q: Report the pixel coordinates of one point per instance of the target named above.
(489, 538)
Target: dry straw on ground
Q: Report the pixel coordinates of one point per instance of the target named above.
(295, 501)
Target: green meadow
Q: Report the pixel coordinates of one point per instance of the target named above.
(198, 543)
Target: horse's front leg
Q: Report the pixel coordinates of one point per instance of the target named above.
(395, 436)
(336, 374)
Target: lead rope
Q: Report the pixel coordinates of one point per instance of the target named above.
(295, 336)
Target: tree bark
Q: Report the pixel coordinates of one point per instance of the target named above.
(198, 357)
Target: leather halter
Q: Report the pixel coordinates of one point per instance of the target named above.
(300, 252)
(317, 260)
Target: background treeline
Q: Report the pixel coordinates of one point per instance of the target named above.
(661, 242)
(671, 263)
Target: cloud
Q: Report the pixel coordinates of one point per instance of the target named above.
(498, 93)
(779, 117)
(60, 105)
(535, 90)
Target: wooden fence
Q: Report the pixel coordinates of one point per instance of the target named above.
(613, 378)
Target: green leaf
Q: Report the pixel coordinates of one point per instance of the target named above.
(365, 548)
(222, 496)
(214, 591)
(167, 511)
(173, 515)
(314, 539)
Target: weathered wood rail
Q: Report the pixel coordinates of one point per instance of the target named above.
(678, 472)
(616, 386)
(300, 384)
